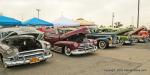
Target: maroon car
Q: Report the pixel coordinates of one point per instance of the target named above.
(72, 42)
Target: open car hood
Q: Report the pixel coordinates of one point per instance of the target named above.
(83, 30)
(122, 32)
(135, 32)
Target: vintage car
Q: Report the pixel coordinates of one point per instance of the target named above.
(44, 29)
(17, 47)
(124, 37)
(104, 39)
(122, 34)
(71, 42)
(149, 34)
(140, 35)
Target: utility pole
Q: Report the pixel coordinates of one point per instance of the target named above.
(138, 15)
(113, 15)
(38, 12)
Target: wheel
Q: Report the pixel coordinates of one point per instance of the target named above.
(2, 62)
(67, 51)
(136, 40)
(44, 60)
(145, 40)
(121, 42)
(102, 44)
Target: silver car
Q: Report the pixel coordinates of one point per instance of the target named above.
(17, 49)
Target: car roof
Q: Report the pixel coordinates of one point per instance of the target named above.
(21, 30)
(68, 28)
(21, 36)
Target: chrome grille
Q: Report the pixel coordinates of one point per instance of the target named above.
(30, 54)
(85, 46)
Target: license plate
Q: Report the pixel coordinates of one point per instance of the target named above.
(34, 60)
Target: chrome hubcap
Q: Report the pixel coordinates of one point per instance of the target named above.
(67, 51)
(102, 44)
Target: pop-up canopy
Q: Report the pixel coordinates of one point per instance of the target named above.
(8, 21)
(63, 21)
(84, 22)
(37, 22)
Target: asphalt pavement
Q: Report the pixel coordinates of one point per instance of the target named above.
(125, 60)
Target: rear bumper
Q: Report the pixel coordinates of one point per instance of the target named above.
(26, 61)
(84, 51)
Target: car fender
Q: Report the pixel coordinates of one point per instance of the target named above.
(103, 39)
(69, 44)
(44, 43)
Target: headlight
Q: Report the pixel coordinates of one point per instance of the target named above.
(95, 42)
(75, 44)
(47, 45)
(9, 51)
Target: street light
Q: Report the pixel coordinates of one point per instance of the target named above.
(38, 11)
(113, 15)
(138, 15)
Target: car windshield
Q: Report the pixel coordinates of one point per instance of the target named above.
(94, 30)
(61, 31)
(37, 36)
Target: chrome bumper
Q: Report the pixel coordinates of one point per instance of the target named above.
(127, 42)
(113, 45)
(26, 61)
(83, 51)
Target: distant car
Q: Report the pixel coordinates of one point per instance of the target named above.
(19, 48)
(104, 39)
(71, 42)
(140, 35)
(124, 37)
(122, 34)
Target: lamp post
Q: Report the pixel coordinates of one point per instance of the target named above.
(138, 15)
(113, 15)
(38, 11)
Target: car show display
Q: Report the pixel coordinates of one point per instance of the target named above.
(33, 40)
(19, 46)
(140, 35)
(72, 42)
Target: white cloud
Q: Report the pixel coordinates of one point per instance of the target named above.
(99, 11)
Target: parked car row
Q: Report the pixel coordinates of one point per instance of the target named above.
(28, 45)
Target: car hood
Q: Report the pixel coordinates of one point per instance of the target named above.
(83, 30)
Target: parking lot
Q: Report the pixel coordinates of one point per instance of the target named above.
(125, 60)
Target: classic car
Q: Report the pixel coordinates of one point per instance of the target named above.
(140, 35)
(71, 42)
(149, 34)
(19, 48)
(122, 34)
(104, 39)
(124, 37)
(44, 29)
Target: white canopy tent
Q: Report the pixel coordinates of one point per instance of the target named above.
(63, 21)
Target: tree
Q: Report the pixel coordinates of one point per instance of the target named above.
(118, 24)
